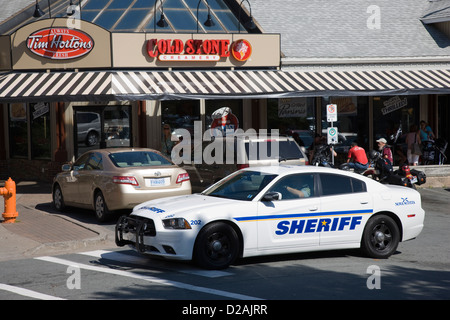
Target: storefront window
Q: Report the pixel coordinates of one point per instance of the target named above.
(180, 114)
(294, 117)
(392, 112)
(18, 130)
(29, 125)
(98, 127)
(223, 114)
(40, 131)
(352, 123)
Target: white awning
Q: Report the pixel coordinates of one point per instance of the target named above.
(237, 84)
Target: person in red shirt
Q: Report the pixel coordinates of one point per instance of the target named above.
(359, 158)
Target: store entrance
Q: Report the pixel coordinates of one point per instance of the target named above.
(99, 127)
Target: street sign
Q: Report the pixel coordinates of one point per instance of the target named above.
(331, 112)
(332, 135)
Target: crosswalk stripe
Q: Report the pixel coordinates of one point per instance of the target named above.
(28, 293)
(152, 279)
(141, 260)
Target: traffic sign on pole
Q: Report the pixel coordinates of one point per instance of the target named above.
(332, 135)
(331, 112)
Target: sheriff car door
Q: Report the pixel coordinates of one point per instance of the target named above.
(289, 222)
(346, 206)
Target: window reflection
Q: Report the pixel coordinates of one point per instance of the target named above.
(102, 127)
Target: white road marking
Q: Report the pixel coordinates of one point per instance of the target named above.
(160, 281)
(27, 293)
(127, 258)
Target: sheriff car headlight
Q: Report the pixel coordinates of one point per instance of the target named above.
(176, 223)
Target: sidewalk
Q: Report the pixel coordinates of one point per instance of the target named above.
(41, 230)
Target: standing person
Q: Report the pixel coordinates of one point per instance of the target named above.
(425, 132)
(413, 139)
(359, 158)
(385, 150)
(168, 141)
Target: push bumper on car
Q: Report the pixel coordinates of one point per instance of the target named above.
(143, 236)
(131, 231)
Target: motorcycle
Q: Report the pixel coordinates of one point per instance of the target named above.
(381, 170)
(415, 177)
(434, 152)
(322, 156)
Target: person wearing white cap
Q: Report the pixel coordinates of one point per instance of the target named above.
(385, 150)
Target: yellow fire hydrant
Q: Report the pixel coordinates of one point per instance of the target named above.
(9, 194)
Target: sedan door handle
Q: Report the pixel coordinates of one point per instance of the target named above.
(364, 202)
(313, 208)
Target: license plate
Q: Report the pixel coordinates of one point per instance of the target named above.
(414, 180)
(157, 182)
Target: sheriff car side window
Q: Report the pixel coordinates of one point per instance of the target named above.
(295, 186)
(334, 184)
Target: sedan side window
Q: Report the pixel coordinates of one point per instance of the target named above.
(334, 184)
(80, 164)
(295, 186)
(95, 162)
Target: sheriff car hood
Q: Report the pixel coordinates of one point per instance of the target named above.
(181, 206)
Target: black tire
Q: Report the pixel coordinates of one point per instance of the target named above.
(216, 247)
(58, 199)
(381, 237)
(92, 139)
(100, 207)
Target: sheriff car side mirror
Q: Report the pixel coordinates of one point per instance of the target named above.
(66, 167)
(272, 196)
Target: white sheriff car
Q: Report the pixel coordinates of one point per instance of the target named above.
(275, 210)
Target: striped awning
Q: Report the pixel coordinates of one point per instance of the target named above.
(164, 85)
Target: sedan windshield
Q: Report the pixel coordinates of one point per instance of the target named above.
(138, 159)
(243, 185)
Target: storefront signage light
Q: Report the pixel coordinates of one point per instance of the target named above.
(60, 43)
(197, 50)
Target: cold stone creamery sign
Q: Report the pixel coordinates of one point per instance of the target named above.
(198, 50)
(60, 43)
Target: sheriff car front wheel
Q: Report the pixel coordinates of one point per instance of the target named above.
(217, 246)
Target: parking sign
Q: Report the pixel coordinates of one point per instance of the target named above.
(331, 112)
(332, 135)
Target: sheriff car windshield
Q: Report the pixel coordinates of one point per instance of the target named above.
(243, 185)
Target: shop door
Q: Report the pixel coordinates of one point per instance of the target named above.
(99, 127)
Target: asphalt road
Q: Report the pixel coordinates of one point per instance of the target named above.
(419, 270)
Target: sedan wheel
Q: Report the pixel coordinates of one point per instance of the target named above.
(101, 209)
(58, 200)
(217, 246)
(381, 237)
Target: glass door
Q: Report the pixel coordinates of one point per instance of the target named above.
(99, 127)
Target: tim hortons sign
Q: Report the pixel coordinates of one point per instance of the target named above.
(198, 50)
(60, 43)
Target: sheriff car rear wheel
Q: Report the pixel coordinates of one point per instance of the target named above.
(381, 237)
(217, 246)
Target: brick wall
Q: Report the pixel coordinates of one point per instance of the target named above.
(22, 169)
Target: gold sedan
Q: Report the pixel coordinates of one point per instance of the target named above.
(111, 179)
